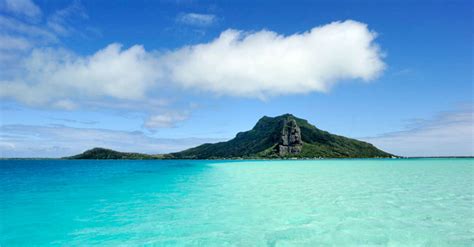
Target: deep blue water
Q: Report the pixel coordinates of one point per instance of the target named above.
(410, 202)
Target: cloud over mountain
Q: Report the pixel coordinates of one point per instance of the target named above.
(249, 64)
(265, 63)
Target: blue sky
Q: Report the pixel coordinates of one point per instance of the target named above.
(161, 76)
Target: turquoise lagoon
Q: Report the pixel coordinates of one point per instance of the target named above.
(376, 202)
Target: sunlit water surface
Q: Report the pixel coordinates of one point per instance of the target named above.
(410, 202)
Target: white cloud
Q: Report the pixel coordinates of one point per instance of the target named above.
(33, 32)
(64, 104)
(17, 39)
(19, 36)
(264, 63)
(448, 134)
(259, 64)
(165, 120)
(58, 76)
(237, 63)
(58, 141)
(60, 21)
(10, 43)
(196, 19)
(21, 7)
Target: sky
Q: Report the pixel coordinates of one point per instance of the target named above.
(162, 76)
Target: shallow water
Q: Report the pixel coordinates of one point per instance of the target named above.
(415, 202)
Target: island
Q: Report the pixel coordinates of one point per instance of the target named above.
(280, 137)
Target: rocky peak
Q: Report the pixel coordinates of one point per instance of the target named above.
(290, 139)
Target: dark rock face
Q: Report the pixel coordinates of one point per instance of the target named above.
(290, 140)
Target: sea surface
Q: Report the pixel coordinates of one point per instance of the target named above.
(376, 202)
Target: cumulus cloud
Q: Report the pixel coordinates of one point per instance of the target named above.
(18, 140)
(264, 63)
(196, 19)
(58, 77)
(21, 7)
(447, 134)
(257, 64)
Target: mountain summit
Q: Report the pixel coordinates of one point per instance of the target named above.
(284, 136)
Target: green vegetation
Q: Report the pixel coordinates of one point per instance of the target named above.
(263, 139)
(108, 154)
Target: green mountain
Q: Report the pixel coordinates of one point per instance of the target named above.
(108, 154)
(285, 136)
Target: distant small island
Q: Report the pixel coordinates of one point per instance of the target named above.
(280, 137)
(108, 154)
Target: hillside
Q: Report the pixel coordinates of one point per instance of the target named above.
(285, 136)
(108, 154)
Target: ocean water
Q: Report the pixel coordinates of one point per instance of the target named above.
(409, 202)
